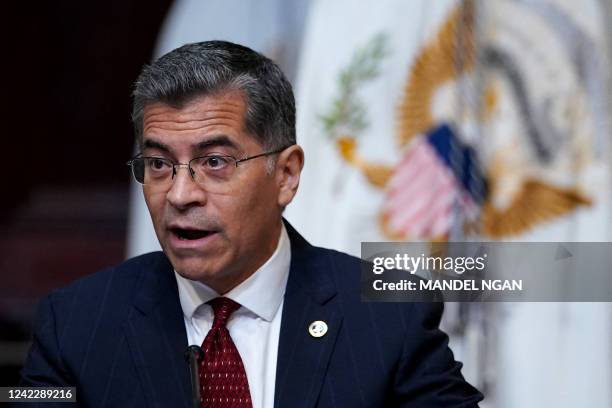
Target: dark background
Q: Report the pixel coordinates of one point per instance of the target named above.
(66, 136)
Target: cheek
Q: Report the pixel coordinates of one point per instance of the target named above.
(250, 207)
(155, 203)
(235, 210)
(263, 196)
(257, 191)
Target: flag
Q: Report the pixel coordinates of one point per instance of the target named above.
(519, 88)
(351, 81)
(428, 191)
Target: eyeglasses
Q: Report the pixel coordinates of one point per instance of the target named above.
(213, 172)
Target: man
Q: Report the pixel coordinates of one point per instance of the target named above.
(280, 322)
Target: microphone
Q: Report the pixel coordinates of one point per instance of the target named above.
(193, 354)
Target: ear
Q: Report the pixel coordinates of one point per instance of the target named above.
(288, 169)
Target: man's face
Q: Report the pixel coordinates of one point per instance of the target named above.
(230, 233)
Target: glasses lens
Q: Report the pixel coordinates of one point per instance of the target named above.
(138, 170)
(152, 170)
(214, 172)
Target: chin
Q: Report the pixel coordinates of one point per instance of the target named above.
(190, 274)
(197, 273)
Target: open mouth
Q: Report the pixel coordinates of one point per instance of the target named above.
(191, 234)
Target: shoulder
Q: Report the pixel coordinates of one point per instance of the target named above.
(109, 291)
(352, 278)
(352, 273)
(122, 276)
(90, 312)
(340, 262)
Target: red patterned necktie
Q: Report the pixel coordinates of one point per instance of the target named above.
(223, 380)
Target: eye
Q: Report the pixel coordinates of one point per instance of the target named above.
(215, 162)
(158, 164)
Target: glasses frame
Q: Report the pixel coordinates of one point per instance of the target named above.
(188, 164)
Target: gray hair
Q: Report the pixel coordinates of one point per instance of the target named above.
(213, 67)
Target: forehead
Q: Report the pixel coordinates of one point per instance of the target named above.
(203, 117)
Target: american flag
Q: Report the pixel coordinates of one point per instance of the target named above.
(435, 185)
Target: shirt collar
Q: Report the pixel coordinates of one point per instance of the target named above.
(262, 292)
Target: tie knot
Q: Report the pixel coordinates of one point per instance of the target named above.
(223, 309)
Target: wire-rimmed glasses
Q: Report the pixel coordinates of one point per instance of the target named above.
(213, 172)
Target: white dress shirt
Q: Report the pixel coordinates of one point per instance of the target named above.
(254, 327)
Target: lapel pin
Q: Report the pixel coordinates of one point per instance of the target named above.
(317, 328)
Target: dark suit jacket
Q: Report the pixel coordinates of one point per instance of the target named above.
(119, 337)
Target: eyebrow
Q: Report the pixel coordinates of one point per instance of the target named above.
(154, 144)
(215, 141)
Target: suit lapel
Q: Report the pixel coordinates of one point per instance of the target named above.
(303, 359)
(157, 339)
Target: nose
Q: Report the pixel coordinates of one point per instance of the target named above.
(184, 191)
